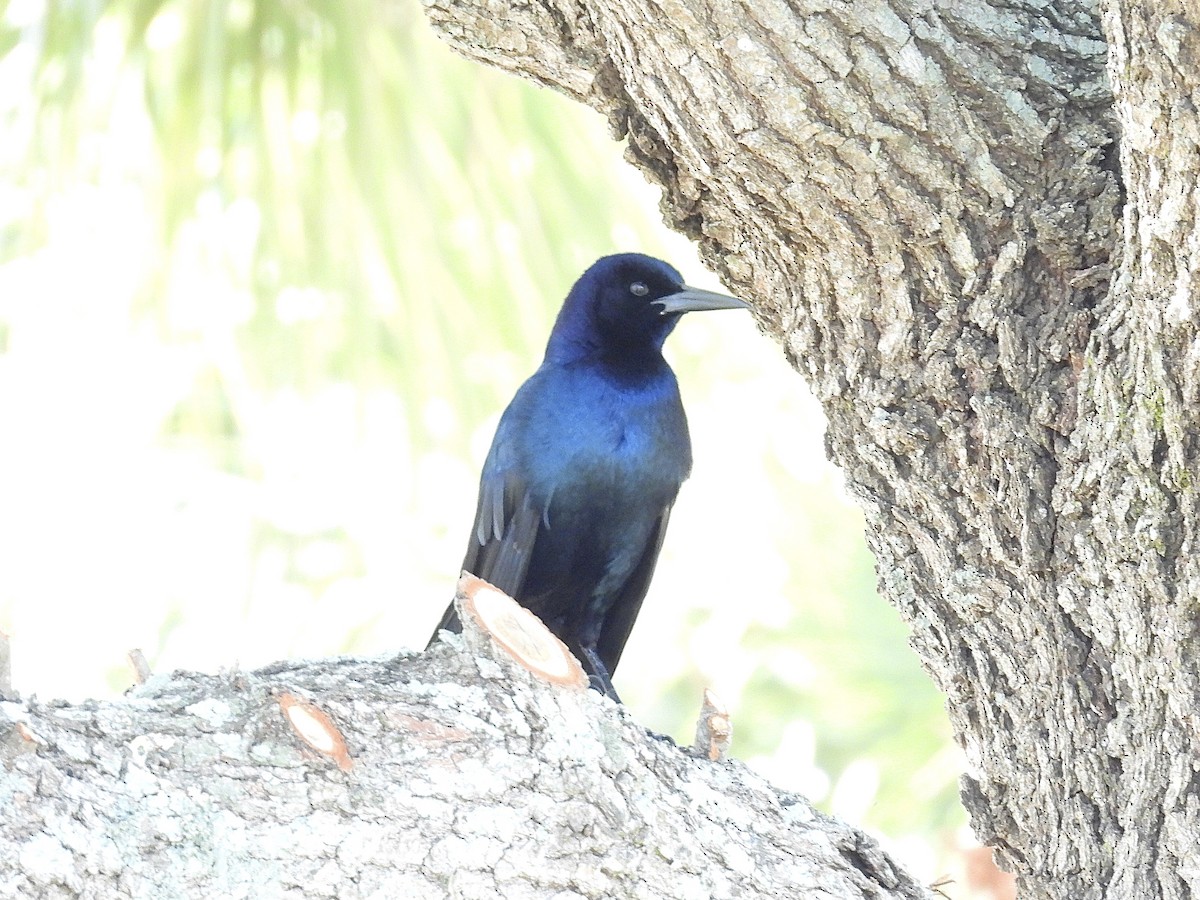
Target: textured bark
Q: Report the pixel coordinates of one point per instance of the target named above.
(466, 777)
(984, 260)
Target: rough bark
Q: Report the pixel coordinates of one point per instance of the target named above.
(465, 777)
(984, 260)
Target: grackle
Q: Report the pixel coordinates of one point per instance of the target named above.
(587, 460)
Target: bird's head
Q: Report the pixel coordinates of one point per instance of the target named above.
(629, 301)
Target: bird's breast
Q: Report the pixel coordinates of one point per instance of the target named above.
(612, 435)
(635, 427)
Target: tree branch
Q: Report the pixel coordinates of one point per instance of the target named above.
(449, 774)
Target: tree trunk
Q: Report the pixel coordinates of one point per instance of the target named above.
(974, 228)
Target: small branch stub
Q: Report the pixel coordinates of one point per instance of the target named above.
(518, 632)
(714, 729)
(5, 666)
(141, 668)
(316, 729)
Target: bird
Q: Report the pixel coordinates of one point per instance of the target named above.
(587, 460)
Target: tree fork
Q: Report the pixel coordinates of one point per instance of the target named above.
(927, 204)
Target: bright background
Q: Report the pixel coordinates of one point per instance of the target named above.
(269, 271)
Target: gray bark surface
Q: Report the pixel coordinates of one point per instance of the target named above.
(973, 229)
(467, 778)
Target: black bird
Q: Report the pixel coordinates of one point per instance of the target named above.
(587, 461)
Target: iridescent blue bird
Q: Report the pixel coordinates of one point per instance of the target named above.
(587, 461)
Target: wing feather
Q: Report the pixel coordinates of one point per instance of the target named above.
(501, 545)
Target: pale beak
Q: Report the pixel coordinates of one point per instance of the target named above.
(691, 299)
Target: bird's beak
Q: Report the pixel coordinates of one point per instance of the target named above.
(691, 299)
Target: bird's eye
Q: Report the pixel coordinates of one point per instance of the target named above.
(639, 289)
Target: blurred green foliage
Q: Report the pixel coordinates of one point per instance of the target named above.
(333, 227)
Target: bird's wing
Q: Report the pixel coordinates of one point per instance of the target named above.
(624, 611)
(506, 526)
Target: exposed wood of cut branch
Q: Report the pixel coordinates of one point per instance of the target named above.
(496, 626)
(141, 668)
(714, 728)
(316, 729)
